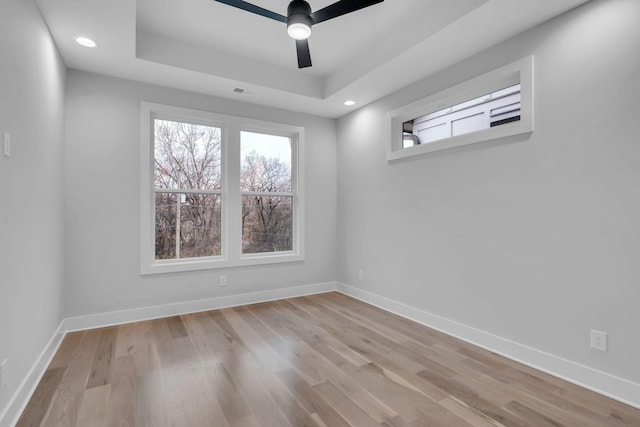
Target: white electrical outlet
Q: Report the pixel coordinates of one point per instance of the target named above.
(223, 280)
(361, 274)
(599, 340)
(3, 372)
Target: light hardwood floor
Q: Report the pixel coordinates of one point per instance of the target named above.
(323, 360)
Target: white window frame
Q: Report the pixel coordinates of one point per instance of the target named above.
(231, 221)
(520, 71)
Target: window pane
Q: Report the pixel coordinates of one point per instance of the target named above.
(200, 217)
(266, 162)
(186, 156)
(190, 232)
(166, 207)
(490, 110)
(267, 224)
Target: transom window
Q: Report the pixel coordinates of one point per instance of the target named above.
(218, 191)
(493, 109)
(496, 104)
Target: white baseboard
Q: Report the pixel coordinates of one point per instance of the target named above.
(9, 417)
(100, 320)
(601, 382)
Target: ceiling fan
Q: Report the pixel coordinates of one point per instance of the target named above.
(299, 19)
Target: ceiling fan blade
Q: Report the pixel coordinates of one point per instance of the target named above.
(254, 9)
(304, 55)
(341, 8)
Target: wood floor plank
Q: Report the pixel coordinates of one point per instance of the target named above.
(42, 397)
(93, 409)
(176, 327)
(206, 338)
(290, 406)
(188, 397)
(322, 361)
(144, 353)
(160, 331)
(252, 341)
(64, 408)
(346, 407)
(302, 358)
(126, 340)
(247, 372)
(227, 392)
(249, 421)
(68, 347)
(310, 399)
(470, 415)
(122, 401)
(103, 359)
(461, 390)
(314, 322)
(150, 401)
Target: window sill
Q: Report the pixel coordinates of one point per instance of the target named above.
(515, 128)
(211, 263)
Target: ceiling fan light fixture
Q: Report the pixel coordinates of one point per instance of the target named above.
(298, 27)
(299, 31)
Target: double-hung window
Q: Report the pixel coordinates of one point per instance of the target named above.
(218, 191)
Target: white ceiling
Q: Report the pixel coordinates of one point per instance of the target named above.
(209, 47)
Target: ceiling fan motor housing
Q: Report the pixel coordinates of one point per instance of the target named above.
(299, 12)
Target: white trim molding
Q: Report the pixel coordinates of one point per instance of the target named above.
(112, 318)
(600, 382)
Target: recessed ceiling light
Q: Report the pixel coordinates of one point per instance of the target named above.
(349, 103)
(85, 41)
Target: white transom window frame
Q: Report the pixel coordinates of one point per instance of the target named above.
(520, 71)
(231, 215)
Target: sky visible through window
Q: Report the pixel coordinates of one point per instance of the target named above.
(269, 146)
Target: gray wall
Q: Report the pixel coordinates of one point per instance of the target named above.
(102, 184)
(535, 239)
(31, 234)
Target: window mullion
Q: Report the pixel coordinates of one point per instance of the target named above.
(232, 198)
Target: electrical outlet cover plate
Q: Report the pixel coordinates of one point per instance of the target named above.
(598, 340)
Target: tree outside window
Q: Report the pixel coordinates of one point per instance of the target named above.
(187, 182)
(267, 198)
